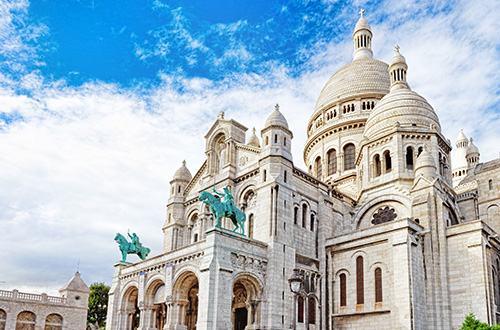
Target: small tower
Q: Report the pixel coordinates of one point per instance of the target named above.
(362, 38)
(276, 136)
(472, 155)
(175, 209)
(425, 165)
(460, 163)
(397, 70)
(76, 292)
(253, 140)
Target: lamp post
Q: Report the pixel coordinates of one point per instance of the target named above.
(295, 282)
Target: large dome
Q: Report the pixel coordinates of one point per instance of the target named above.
(401, 107)
(361, 77)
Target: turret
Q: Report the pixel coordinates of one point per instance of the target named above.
(425, 166)
(276, 137)
(472, 155)
(362, 38)
(76, 292)
(459, 162)
(397, 70)
(253, 140)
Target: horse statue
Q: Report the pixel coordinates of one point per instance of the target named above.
(224, 209)
(134, 247)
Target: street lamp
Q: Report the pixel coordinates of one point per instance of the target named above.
(295, 282)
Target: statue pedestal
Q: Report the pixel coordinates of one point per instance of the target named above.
(113, 317)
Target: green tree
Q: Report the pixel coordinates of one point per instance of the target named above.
(471, 323)
(98, 305)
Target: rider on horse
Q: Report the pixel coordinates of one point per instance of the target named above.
(135, 242)
(228, 200)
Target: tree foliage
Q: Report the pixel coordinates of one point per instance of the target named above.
(98, 305)
(471, 323)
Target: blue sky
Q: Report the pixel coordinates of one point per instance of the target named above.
(101, 101)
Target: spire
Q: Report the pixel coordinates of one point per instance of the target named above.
(462, 141)
(397, 70)
(362, 38)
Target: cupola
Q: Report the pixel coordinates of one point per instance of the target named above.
(362, 38)
(397, 70)
(425, 165)
(276, 137)
(253, 140)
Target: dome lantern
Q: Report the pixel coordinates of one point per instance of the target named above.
(397, 70)
(362, 38)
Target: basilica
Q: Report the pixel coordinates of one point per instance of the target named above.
(383, 231)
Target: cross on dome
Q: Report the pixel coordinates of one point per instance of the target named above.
(277, 107)
(396, 48)
(361, 12)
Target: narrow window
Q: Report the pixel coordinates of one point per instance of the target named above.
(332, 161)
(267, 140)
(377, 166)
(409, 158)
(300, 313)
(195, 238)
(363, 107)
(490, 184)
(284, 177)
(343, 290)
(284, 141)
(388, 163)
(349, 157)
(264, 176)
(250, 226)
(295, 215)
(179, 189)
(378, 285)
(304, 215)
(420, 149)
(360, 288)
(312, 222)
(318, 168)
(373, 104)
(312, 311)
(275, 138)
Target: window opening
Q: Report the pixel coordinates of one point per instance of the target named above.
(343, 290)
(360, 289)
(378, 285)
(332, 161)
(388, 163)
(349, 155)
(409, 158)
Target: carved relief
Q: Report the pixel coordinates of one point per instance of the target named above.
(248, 263)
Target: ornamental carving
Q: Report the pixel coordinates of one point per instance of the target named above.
(385, 214)
(249, 264)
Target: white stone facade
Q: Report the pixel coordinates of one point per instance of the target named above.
(382, 231)
(19, 310)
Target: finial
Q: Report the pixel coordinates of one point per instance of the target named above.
(253, 130)
(184, 163)
(361, 12)
(221, 115)
(396, 48)
(277, 107)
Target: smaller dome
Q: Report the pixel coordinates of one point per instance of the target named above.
(253, 140)
(183, 173)
(425, 164)
(397, 58)
(362, 23)
(472, 149)
(276, 118)
(461, 137)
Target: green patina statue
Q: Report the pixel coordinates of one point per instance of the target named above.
(134, 247)
(225, 209)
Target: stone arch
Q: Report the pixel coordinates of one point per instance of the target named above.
(53, 322)
(217, 150)
(245, 304)
(155, 300)
(26, 320)
(493, 216)
(184, 306)
(129, 305)
(401, 205)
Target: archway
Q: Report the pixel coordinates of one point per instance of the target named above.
(132, 315)
(155, 302)
(184, 309)
(246, 302)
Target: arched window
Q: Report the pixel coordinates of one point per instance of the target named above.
(312, 310)
(420, 149)
(300, 312)
(275, 138)
(377, 166)
(304, 215)
(360, 285)
(409, 158)
(26, 321)
(388, 163)
(250, 226)
(284, 141)
(378, 285)
(318, 168)
(295, 215)
(53, 322)
(343, 290)
(312, 222)
(195, 239)
(490, 184)
(3, 319)
(349, 156)
(332, 161)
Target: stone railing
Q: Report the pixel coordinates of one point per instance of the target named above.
(22, 296)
